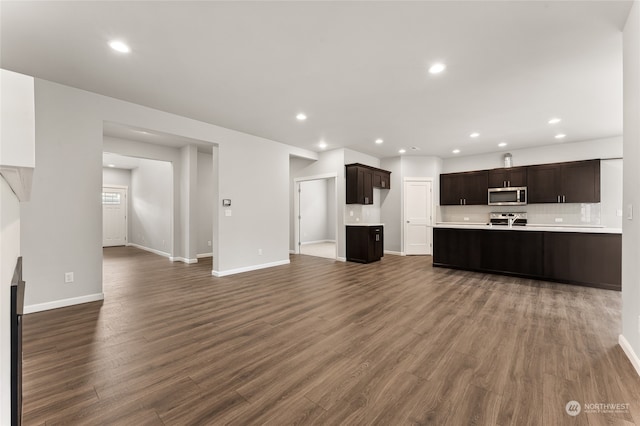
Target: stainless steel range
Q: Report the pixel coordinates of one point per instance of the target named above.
(508, 218)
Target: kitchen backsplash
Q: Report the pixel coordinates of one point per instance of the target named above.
(358, 213)
(556, 214)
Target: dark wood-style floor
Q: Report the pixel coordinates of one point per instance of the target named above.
(323, 342)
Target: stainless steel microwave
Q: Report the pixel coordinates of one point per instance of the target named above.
(514, 196)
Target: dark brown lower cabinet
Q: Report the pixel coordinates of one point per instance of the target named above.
(590, 259)
(365, 243)
(512, 251)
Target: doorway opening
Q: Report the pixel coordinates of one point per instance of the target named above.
(137, 203)
(316, 214)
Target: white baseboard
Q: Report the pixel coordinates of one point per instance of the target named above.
(341, 259)
(182, 259)
(63, 302)
(628, 350)
(292, 252)
(394, 253)
(317, 242)
(249, 268)
(200, 256)
(158, 252)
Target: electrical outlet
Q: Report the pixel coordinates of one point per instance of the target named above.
(558, 220)
(466, 219)
(351, 213)
(619, 212)
(209, 243)
(68, 277)
(260, 252)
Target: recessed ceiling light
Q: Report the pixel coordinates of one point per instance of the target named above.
(560, 136)
(502, 144)
(437, 68)
(301, 117)
(322, 145)
(119, 46)
(554, 120)
(112, 165)
(474, 135)
(402, 151)
(379, 141)
(456, 151)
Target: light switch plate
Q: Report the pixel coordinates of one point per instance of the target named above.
(630, 212)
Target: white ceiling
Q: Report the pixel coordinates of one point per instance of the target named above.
(110, 159)
(357, 69)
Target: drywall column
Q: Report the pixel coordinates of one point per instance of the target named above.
(188, 183)
(215, 241)
(630, 338)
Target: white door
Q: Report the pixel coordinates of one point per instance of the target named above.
(114, 216)
(418, 225)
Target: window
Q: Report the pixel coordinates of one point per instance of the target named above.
(110, 198)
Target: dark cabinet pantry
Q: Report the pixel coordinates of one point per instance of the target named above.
(365, 243)
(362, 179)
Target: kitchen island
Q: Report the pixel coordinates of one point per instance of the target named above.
(585, 255)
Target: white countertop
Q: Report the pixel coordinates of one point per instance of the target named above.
(532, 227)
(363, 224)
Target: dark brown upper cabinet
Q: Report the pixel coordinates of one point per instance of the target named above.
(362, 179)
(573, 182)
(468, 188)
(506, 178)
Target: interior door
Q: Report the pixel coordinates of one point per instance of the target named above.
(114, 216)
(418, 226)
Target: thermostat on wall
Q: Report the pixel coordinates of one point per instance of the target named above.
(226, 202)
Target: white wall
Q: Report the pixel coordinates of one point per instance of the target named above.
(151, 204)
(204, 200)
(392, 211)
(560, 152)
(331, 209)
(391, 205)
(314, 211)
(9, 252)
(62, 229)
(631, 228)
(17, 118)
(114, 176)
